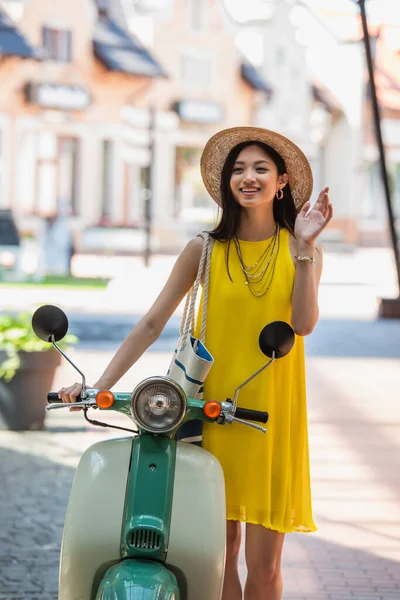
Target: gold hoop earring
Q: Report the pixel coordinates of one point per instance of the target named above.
(281, 194)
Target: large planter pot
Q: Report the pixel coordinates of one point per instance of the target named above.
(24, 398)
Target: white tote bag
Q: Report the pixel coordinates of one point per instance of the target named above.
(192, 361)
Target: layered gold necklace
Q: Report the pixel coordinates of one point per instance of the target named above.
(258, 277)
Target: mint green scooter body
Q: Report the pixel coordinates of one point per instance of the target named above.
(148, 511)
(138, 579)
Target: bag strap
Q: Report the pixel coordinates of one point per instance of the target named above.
(187, 324)
(206, 286)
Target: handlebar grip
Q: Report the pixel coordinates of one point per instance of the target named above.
(251, 415)
(52, 398)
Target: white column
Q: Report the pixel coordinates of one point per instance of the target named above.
(117, 175)
(163, 178)
(89, 176)
(5, 162)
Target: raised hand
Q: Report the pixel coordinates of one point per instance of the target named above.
(308, 227)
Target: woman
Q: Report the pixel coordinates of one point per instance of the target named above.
(265, 266)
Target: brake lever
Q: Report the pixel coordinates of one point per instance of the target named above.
(89, 404)
(228, 418)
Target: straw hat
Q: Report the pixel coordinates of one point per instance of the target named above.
(218, 147)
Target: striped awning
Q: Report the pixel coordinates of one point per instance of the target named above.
(12, 42)
(121, 51)
(254, 78)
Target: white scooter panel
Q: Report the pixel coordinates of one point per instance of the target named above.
(95, 512)
(198, 524)
(92, 528)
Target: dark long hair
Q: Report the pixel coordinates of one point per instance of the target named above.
(284, 210)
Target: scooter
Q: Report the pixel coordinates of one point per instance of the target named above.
(146, 516)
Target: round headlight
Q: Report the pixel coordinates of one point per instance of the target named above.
(158, 404)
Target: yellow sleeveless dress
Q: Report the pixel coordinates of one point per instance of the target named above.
(267, 476)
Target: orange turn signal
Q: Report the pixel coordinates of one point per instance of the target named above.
(212, 409)
(105, 399)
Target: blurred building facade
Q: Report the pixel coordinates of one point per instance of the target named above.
(387, 77)
(210, 86)
(64, 147)
(87, 106)
(75, 118)
(321, 100)
(308, 111)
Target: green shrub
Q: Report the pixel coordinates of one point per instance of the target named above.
(17, 335)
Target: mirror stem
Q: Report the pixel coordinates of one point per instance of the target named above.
(84, 391)
(235, 397)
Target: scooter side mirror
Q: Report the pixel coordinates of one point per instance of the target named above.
(277, 337)
(48, 321)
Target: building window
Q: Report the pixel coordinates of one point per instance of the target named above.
(372, 209)
(197, 15)
(56, 175)
(27, 160)
(68, 149)
(46, 196)
(196, 71)
(57, 43)
(396, 191)
(2, 198)
(280, 56)
(106, 200)
(191, 198)
(135, 194)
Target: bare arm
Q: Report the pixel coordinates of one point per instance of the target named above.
(149, 328)
(305, 309)
(308, 226)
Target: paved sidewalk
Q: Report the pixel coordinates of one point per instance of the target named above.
(354, 429)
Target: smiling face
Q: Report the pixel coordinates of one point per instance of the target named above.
(255, 180)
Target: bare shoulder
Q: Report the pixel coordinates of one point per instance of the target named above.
(191, 254)
(193, 249)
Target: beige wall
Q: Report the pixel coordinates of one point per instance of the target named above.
(110, 93)
(110, 90)
(173, 38)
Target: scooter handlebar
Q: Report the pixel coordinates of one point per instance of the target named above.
(241, 413)
(251, 415)
(52, 398)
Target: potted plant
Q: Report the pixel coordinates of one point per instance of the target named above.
(27, 369)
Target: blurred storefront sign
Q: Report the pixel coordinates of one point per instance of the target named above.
(55, 95)
(140, 117)
(199, 111)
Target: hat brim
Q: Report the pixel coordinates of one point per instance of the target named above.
(219, 145)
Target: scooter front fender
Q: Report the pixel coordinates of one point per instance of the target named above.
(137, 579)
